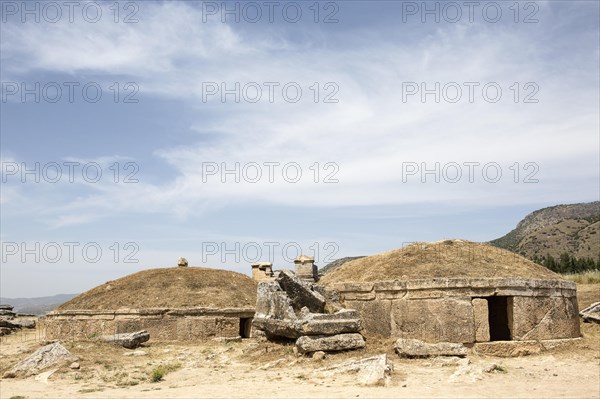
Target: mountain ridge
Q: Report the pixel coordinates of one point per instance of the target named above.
(570, 231)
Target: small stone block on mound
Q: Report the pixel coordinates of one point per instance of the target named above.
(369, 371)
(128, 340)
(417, 348)
(333, 343)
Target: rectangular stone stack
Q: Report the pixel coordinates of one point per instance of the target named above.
(290, 307)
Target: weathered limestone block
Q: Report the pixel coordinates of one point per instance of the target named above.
(9, 314)
(277, 328)
(376, 316)
(481, 315)
(272, 301)
(591, 314)
(508, 348)
(47, 356)
(340, 342)
(434, 320)
(536, 318)
(369, 371)
(306, 268)
(300, 292)
(343, 321)
(417, 348)
(128, 340)
(9, 323)
(26, 323)
(330, 327)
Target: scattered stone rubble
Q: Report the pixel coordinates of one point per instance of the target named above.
(50, 355)
(591, 314)
(127, 340)
(9, 321)
(290, 307)
(417, 348)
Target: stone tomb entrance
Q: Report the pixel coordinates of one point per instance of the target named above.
(246, 327)
(500, 317)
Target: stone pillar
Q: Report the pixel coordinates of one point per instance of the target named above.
(482, 324)
(306, 268)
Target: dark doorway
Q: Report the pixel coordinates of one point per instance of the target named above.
(500, 318)
(245, 327)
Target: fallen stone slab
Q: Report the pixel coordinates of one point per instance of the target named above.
(417, 348)
(591, 314)
(333, 343)
(341, 322)
(47, 356)
(277, 328)
(369, 371)
(4, 322)
(330, 327)
(127, 340)
(508, 348)
(7, 313)
(549, 344)
(300, 292)
(25, 323)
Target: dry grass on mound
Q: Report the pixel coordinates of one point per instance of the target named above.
(175, 287)
(450, 258)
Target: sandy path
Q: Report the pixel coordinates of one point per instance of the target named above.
(541, 376)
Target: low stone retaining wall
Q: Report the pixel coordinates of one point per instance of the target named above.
(456, 309)
(188, 324)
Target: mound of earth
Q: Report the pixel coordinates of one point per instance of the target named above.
(175, 287)
(450, 258)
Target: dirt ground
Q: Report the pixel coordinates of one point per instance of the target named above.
(260, 369)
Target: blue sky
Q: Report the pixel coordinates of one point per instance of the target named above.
(176, 133)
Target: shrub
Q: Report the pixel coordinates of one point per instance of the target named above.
(158, 374)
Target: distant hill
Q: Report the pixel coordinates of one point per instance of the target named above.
(570, 232)
(337, 263)
(37, 306)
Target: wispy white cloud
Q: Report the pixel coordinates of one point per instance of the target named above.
(370, 133)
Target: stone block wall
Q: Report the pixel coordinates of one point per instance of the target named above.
(456, 310)
(162, 324)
